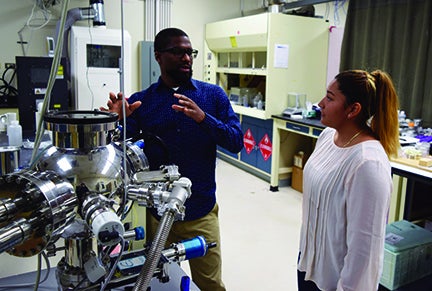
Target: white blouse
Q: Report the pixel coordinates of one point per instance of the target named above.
(346, 197)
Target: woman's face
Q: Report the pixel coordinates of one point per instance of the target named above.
(333, 106)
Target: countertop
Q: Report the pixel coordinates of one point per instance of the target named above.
(311, 122)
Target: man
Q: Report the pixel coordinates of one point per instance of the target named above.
(190, 118)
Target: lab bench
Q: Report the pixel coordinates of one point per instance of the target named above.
(411, 184)
(289, 137)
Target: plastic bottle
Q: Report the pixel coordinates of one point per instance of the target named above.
(38, 114)
(402, 116)
(14, 133)
(258, 97)
(260, 105)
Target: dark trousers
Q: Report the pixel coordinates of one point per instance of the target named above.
(305, 285)
(302, 284)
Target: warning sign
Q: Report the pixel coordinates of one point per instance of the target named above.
(265, 147)
(248, 141)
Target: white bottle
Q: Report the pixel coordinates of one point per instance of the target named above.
(260, 105)
(14, 133)
(38, 115)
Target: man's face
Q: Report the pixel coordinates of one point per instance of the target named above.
(176, 60)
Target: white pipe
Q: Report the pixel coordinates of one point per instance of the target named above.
(158, 16)
(53, 73)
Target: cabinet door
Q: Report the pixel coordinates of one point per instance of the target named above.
(264, 145)
(257, 136)
(249, 152)
(150, 71)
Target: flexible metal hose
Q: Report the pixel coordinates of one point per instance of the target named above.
(158, 244)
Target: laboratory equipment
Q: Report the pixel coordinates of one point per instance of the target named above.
(95, 57)
(80, 189)
(234, 96)
(9, 159)
(296, 104)
(32, 82)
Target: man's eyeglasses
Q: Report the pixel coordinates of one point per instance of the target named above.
(180, 52)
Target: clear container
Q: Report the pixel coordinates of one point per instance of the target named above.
(258, 97)
(424, 148)
(244, 94)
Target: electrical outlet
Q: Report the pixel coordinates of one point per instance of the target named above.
(9, 66)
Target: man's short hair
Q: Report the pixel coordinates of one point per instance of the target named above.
(164, 36)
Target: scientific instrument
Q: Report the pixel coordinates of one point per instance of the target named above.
(296, 104)
(80, 189)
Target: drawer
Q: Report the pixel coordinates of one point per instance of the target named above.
(297, 127)
(316, 131)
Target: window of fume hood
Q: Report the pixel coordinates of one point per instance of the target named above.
(243, 60)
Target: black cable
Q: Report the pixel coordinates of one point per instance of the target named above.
(7, 89)
(79, 283)
(113, 268)
(151, 138)
(125, 213)
(38, 272)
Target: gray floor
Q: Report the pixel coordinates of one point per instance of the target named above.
(259, 231)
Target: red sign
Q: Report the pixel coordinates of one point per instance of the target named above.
(265, 147)
(249, 141)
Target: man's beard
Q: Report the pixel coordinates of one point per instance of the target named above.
(179, 76)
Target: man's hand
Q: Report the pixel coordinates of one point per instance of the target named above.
(115, 104)
(189, 108)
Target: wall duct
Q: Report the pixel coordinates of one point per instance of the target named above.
(157, 17)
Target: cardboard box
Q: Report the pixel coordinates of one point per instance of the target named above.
(299, 160)
(407, 254)
(297, 179)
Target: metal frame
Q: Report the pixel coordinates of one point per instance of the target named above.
(285, 6)
(303, 3)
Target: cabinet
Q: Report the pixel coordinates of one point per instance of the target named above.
(258, 134)
(149, 68)
(289, 137)
(270, 53)
(255, 157)
(411, 198)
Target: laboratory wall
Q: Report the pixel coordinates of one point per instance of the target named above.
(22, 18)
(21, 22)
(191, 16)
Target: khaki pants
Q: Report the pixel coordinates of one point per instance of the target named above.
(207, 270)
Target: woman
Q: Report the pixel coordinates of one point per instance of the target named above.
(347, 184)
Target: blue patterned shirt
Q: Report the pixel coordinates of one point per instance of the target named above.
(189, 145)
